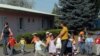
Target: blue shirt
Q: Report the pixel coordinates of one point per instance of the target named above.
(89, 40)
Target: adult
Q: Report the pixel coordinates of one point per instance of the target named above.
(64, 38)
(4, 36)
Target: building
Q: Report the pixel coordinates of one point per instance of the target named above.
(22, 20)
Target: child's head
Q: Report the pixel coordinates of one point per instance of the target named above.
(10, 36)
(37, 36)
(34, 35)
(73, 37)
(51, 36)
(89, 35)
(47, 34)
(81, 35)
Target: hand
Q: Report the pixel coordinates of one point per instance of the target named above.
(0, 38)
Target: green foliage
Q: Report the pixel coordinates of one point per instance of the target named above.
(28, 36)
(56, 20)
(78, 13)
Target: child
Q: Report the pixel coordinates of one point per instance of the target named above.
(58, 45)
(74, 45)
(38, 48)
(11, 43)
(34, 40)
(81, 43)
(22, 42)
(47, 40)
(69, 46)
(97, 42)
(52, 47)
(89, 43)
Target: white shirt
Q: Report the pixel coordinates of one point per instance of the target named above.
(79, 39)
(58, 43)
(38, 45)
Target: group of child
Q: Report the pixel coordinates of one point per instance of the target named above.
(11, 43)
(49, 44)
(53, 45)
(86, 44)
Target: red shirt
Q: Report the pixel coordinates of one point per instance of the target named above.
(97, 40)
(11, 42)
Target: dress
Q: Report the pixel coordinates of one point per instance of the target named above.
(52, 47)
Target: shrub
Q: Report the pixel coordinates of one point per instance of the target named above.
(28, 36)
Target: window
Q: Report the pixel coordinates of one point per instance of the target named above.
(20, 23)
(33, 20)
(29, 20)
(42, 23)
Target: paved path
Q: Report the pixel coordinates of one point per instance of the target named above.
(28, 53)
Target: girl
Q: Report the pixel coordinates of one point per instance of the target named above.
(38, 48)
(52, 47)
(74, 45)
(81, 43)
(58, 46)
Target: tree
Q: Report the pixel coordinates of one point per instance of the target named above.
(21, 3)
(56, 11)
(78, 13)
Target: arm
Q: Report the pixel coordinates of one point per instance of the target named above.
(25, 41)
(43, 44)
(10, 31)
(32, 41)
(1, 36)
(8, 44)
(61, 33)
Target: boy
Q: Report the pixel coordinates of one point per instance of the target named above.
(97, 41)
(38, 48)
(89, 43)
(11, 43)
(22, 42)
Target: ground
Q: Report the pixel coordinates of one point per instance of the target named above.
(28, 53)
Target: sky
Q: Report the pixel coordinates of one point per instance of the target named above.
(44, 5)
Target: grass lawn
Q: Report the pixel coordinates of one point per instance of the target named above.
(28, 46)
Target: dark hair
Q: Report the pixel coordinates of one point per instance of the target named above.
(36, 35)
(62, 22)
(6, 23)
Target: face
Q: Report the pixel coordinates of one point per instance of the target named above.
(61, 25)
(5, 25)
(47, 35)
(34, 36)
(10, 37)
(52, 37)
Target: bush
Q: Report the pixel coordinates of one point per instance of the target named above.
(28, 36)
